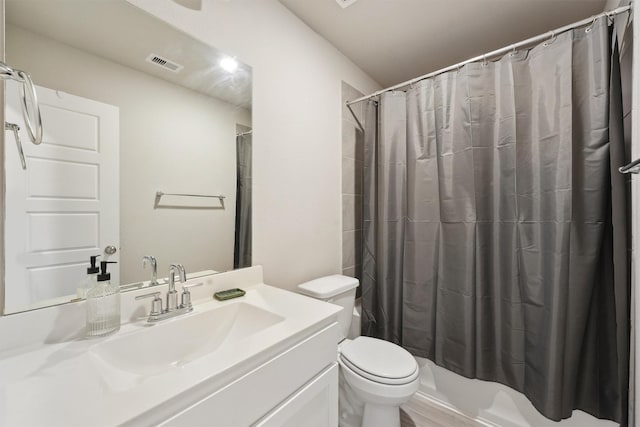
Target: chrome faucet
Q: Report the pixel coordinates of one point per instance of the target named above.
(172, 294)
(172, 308)
(150, 259)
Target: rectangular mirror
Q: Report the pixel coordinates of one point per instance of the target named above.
(146, 151)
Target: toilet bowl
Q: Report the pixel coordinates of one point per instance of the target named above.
(376, 376)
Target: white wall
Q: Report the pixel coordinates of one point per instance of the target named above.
(171, 139)
(297, 128)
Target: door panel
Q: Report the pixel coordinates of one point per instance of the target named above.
(62, 179)
(65, 206)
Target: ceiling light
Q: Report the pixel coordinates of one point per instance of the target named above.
(229, 64)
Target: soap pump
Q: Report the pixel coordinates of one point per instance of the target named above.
(103, 304)
(90, 280)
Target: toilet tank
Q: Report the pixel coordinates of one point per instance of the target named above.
(336, 289)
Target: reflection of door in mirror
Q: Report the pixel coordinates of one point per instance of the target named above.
(64, 207)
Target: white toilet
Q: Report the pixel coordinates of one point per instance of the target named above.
(376, 376)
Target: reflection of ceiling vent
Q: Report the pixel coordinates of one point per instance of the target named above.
(164, 63)
(345, 3)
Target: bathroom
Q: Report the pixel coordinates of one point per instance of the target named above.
(302, 201)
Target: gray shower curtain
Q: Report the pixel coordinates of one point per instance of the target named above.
(493, 217)
(242, 247)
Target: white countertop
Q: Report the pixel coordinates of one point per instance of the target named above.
(65, 384)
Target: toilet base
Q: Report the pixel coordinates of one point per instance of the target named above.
(355, 412)
(350, 405)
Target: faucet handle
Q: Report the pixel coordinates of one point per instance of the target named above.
(154, 268)
(186, 295)
(156, 304)
(149, 259)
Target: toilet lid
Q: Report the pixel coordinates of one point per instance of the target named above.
(380, 361)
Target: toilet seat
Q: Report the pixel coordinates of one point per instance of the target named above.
(379, 361)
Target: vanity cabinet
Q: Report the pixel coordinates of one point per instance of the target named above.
(266, 359)
(297, 388)
(314, 405)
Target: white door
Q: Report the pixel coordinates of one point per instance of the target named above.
(65, 206)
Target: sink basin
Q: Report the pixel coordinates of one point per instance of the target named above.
(183, 339)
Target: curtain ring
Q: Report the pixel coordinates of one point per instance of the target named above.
(484, 61)
(610, 17)
(513, 51)
(552, 38)
(590, 27)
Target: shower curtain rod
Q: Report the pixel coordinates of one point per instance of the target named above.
(499, 52)
(245, 133)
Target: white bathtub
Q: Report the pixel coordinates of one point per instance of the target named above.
(487, 402)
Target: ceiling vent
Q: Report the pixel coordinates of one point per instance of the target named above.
(345, 3)
(164, 63)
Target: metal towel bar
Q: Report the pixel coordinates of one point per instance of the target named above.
(159, 194)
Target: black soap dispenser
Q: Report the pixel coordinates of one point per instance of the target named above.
(90, 279)
(103, 304)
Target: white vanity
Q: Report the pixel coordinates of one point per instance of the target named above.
(266, 359)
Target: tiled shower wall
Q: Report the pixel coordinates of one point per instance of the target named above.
(352, 184)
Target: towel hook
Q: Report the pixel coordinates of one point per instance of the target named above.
(16, 134)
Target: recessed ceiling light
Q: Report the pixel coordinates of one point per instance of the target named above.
(229, 64)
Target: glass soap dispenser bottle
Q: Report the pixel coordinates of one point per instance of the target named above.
(103, 304)
(90, 280)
